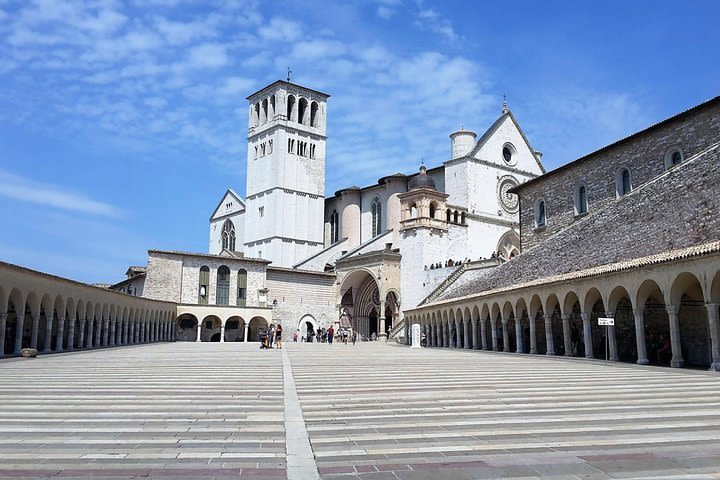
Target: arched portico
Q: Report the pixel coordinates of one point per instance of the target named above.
(307, 326)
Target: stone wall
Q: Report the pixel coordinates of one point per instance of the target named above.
(677, 210)
(644, 155)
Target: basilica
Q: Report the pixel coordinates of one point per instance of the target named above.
(483, 249)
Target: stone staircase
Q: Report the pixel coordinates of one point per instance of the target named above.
(396, 329)
(444, 284)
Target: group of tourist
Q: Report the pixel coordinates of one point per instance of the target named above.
(270, 335)
(323, 335)
(454, 263)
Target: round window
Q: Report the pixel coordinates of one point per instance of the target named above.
(507, 154)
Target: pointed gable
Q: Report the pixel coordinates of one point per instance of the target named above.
(506, 132)
(230, 204)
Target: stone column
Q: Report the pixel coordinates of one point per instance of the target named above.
(197, 337)
(3, 324)
(436, 338)
(20, 322)
(493, 336)
(466, 333)
(549, 335)
(34, 331)
(483, 334)
(48, 333)
(505, 334)
(71, 334)
(612, 339)
(566, 334)
(222, 332)
(89, 339)
(60, 334)
(476, 344)
(245, 337)
(106, 332)
(382, 336)
(638, 313)
(587, 335)
(446, 334)
(518, 335)
(81, 334)
(677, 359)
(714, 324)
(136, 332)
(458, 340)
(111, 341)
(533, 334)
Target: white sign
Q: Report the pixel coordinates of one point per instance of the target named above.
(415, 335)
(606, 321)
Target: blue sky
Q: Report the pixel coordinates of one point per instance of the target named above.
(122, 123)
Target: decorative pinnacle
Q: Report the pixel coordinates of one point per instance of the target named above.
(504, 104)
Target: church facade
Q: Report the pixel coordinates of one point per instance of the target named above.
(451, 214)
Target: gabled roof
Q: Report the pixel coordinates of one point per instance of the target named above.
(494, 127)
(234, 195)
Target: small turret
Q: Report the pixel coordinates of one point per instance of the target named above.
(462, 142)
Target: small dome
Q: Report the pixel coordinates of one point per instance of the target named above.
(421, 180)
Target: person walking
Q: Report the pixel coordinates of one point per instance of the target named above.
(278, 336)
(354, 336)
(330, 333)
(295, 336)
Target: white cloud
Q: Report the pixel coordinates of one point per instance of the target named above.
(280, 29)
(53, 196)
(430, 20)
(387, 8)
(208, 55)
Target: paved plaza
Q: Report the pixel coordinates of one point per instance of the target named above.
(371, 411)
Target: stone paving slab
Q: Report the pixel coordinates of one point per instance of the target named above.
(378, 411)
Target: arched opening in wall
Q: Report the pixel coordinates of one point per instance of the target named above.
(456, 217)
(468, 318)
(272, 107)
(186, 327)
(524, 320)
(222, 295)
(264, 116)
(45, 309)
(59, 319)
(210, 331)
(255, 327)
(463, 218)
(308, 326)
(15, 316)
(433, 209)
(692, 318)
(623, 182)
(376, 213)
(573, 310)
(413, 211)
(257, 114)
(512, 341)
(334, 227)
(598, 333)
(448, 215)
(392, 310)
(488, 332)
(556, 325)
(581, 200)
(303, 111)
(461, 330)
(204, 285)
(241, 288)
(619, 302)
(508, 245)
(234, 329)
(358, 296)
(373, 330)
(290, 108)
(314, 114)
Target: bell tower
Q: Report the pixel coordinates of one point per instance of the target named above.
(285, 173)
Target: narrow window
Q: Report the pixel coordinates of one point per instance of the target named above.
(540, 216)
(432, 210)
(334, 224)
(223, 286)
(261, 211)
(204, 283)
(264, 118)
(448, 216)
(413, 211)
(269, 146)
(313, 114)
(375, 209)
(302, 111)
(455, 217)
(463, 216)
(581, 206)
(623, 182)
(272, 107)
(241, 288)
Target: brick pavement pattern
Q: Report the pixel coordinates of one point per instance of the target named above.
(372, 411)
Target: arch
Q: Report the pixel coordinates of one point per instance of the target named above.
(463, 218)
(222, 287)
(255, 327)
(571, 308)
(291, 108)
(688, 296)
(228, 236)
(508, 246)
(456, 217)
(334, 226)
(413, 211)
(264, 111)
(303, 111)
(623, 182)
(621, 307)
(715, 288)
(540, 214)
(235, 329)
(551, 302)
(433, 209)
(448, 215)
(204, 285)
(673, 157)
(186, 328)
(210, 329)
(307, 326)
(313, 114)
